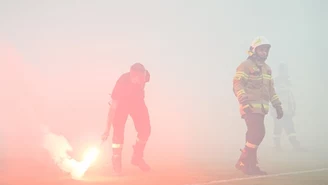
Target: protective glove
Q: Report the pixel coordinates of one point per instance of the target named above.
(243, 100)
(248, 108)
(279, 111)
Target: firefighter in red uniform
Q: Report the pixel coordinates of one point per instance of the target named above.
(253, 86)
(128, 99)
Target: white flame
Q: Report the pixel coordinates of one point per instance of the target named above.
(58, 146)
(89, 157)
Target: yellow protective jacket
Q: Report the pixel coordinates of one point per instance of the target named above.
(254, 82)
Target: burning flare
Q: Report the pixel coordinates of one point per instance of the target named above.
(58, 146)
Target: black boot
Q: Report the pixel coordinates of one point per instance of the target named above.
(254, 162)
(137, 158)
(243, 163)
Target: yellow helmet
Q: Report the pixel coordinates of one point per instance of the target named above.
(258, 41)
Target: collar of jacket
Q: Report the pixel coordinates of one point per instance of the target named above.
(257, 61)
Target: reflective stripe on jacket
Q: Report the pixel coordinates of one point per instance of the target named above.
(254, 82)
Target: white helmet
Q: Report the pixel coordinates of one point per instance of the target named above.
(258, 41)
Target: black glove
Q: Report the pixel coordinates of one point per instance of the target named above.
(279, 111)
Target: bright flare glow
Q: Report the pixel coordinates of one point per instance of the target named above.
(58, 146)
(80, 168)
(91, 155)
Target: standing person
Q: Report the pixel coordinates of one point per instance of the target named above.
(128, 99)
(253, 86)
(283, 87)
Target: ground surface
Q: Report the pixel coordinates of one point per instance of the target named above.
(287, 168)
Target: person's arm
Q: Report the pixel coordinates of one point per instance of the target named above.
(275, 101)
(239, 82)
(292, 99)
(115, 96)
(274, 98)
(111, 113)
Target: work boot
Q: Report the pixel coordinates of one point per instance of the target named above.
(257, 171)
(254, 162)
(137, 157)
(117, 164)
(296, 144)
(243, 163)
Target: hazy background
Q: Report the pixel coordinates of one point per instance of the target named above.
(60, 59)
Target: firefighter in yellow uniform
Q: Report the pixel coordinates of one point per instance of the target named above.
(254, 88)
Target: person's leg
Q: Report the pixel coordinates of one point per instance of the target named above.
(254, 136)
(277, 133)
(119, 121)
(291, 133)
(140, 116)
